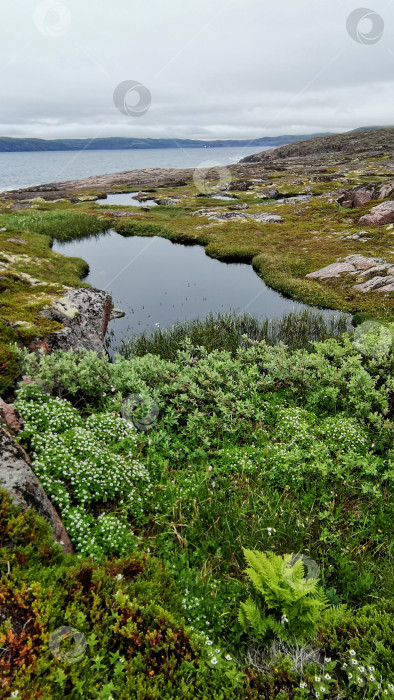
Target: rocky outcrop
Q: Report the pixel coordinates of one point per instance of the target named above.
(362, 267)
(358, 196)
(334, 270)
(18, 479)
(85, 314)
(379, 215)
(368, 140)
(240, 185)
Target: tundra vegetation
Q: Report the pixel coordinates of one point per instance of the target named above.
(240, 545)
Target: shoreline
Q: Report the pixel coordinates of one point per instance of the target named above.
(295, 219)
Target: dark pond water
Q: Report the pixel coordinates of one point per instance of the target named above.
(157, 282)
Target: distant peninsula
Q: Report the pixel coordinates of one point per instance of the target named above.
(17, 145)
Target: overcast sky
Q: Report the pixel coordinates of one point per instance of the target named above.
(214, 68)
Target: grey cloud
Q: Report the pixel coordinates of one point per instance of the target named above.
(231, 69)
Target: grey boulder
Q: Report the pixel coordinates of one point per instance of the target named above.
(25, 490)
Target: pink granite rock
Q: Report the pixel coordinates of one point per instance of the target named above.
(10, 417)
(379, 215)
(333, 270)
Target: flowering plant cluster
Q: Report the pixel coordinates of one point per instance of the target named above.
(90, 470)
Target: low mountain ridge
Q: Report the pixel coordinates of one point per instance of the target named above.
(348, 143)
(14, 145)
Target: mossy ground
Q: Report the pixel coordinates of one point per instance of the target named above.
(20, 301)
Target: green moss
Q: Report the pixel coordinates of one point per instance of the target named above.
(132, 638)
(20, 302)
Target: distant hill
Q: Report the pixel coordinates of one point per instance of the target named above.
(365, 140)
(14, 145)
(371, 128)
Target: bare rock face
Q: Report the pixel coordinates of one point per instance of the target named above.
(363, 268)
(85, 314)
(379, 215)
(333, 270)
(18, 479)
(10, 417)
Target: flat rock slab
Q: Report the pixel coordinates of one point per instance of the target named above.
(119, 214)
(217, 215)
(266, 218)
(362, 267)
(379, 284)
(334, 270)
(19, 480)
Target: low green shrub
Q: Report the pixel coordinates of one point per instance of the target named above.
(263, 448)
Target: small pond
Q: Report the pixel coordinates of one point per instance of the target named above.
(158, 283)
(126, 199)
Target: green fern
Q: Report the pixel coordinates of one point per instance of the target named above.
(286, 604)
